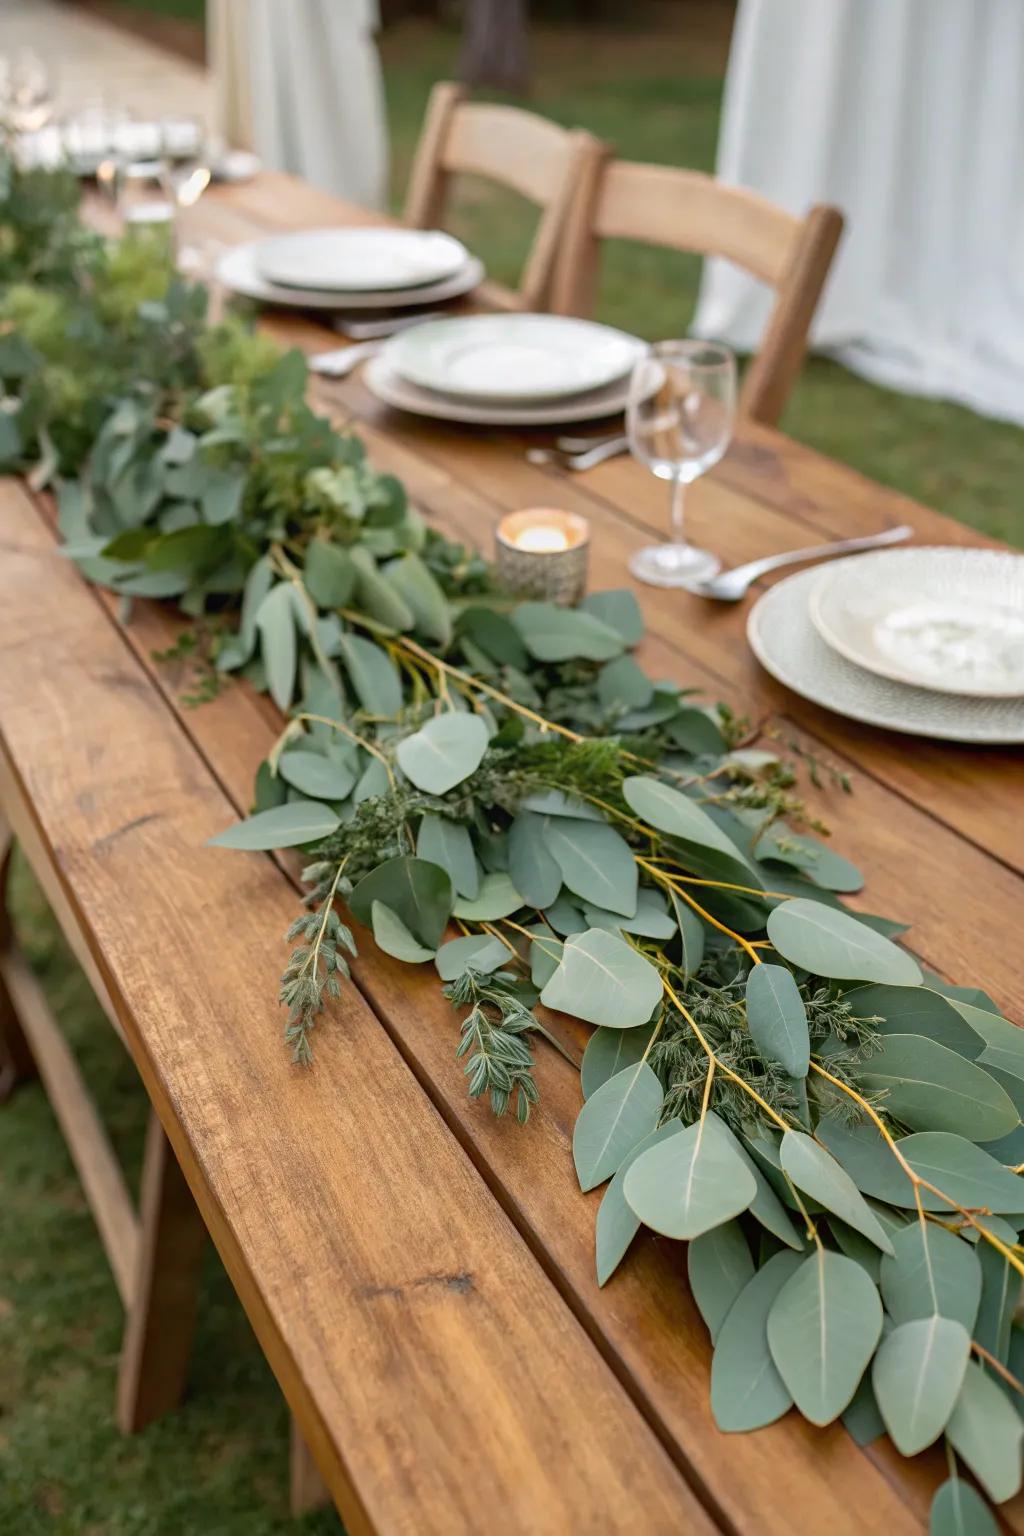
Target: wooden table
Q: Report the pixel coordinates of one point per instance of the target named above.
(419, 1274)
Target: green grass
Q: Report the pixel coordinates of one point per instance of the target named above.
(218, 1467)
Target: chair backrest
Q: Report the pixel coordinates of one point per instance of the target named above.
(689, 211)
(519, 150)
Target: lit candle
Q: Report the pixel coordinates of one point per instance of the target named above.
(542, 552)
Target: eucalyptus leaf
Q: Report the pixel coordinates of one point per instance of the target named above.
(283, 826)
(393, 937)
(931, 1088)
(826, 942)
(533, 869)
(329, 574)
(822, 1331)
(550, 633)
(545, 955)
(554, 802)
(422, 595)
(420, 894)
(777, 1018)
(609, 1051)
(692, 933)
(669, 811)
(1000, 1293)
(377, 596)
(959, 1510)
(747, 1391)
(617, 1224)
(690, 1183)
(443, 752)
(595, 861)
(931, 1270)
(649, 921)
(766, 1206)
(815, 859)
(374, 675)
(964, 1171)
(621, 685)
(449, 844)
(815, 1171)
(496, 898)
(718, 1267)
(321, 777)
(603, 980)
(618, 609)
(916, 1011)
(275, 621)
(985, 1429)
(474, 951)
(620, 1113)
(917, 1375)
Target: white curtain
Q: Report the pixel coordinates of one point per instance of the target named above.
(299, 82)
(909, 116)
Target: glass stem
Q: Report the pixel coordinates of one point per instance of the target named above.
(678, 534)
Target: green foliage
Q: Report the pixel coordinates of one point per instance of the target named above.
(607, 845)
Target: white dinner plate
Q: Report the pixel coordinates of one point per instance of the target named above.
(786, 643)
(238, 271)
(360, 260)
(382, 381)
(513, 358)
(947, 619)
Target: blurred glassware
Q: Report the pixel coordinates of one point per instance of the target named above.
(26, 91)
(679, 419)
(186, 159)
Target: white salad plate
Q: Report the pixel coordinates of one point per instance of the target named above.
(513, 359)
(389, 386)
(237, 269)
(947, 619)
(360, 260)
(787, 644)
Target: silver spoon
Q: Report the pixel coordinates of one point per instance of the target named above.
(730, 586)
(576, 461)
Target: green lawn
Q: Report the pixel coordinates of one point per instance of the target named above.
(218, 1467)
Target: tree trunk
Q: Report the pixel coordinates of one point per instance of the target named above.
(494, 48)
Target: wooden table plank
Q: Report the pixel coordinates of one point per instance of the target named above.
(414, 1335)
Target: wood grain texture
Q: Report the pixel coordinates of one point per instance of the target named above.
(376, 1268)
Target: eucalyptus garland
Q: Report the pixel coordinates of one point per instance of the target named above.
(496, 788)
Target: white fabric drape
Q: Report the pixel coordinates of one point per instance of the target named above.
(299, 82)
(909, 116)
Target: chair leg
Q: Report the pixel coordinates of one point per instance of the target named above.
(161, 1317)
(16, 1061)
(306, 1488)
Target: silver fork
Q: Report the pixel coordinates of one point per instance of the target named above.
(609, 448)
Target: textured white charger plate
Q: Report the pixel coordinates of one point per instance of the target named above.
(237, 270)
(389, 386)
(947, 619)
(360, 260)
(787, 645)
(513, 358)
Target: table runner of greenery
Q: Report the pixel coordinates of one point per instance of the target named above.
(834, 1131)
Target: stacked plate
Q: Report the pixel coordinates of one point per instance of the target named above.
(927, 641)
(507, 370)
(376, 268)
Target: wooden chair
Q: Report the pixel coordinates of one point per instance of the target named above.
(689, 211)
(540, 160)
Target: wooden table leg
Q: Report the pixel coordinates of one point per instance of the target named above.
(16, 1059)
(306, 1488)
(162, 1308)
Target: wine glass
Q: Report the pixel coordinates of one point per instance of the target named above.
(185, 158)
(27, 91)
(679, 417)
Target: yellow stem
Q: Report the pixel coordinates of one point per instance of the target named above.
(361, 741)
(728, 1071)
(664, 879)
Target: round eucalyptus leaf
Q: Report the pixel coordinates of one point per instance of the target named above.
(917, 1375)
(985, 1429)
(827, 942)
(443, 752)
(474, 951)
(822, 1331)
(449, 844)
(690, 1183)
(496, 898)
(419, 893)
(393, 937)
(373, 674)
(777, 1018)
(747, 1391)
(275, 621)
(617, 1115)
(620, 610)
(595, 861)
(931, 1088)
(603, 980)
(959, 1510)
(608, 1051)
(551, 633)
(670, 811)
(545, 954)
(533, 870)
(917, 1011)
(316, 775)
(815, 1171)
(329, 575)
(283, 826)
